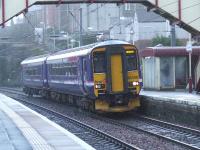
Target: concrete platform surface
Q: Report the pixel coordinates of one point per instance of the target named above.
(11, 137)
(24, 129)
(173, 96)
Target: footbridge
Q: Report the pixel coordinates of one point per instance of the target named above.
(185, 13)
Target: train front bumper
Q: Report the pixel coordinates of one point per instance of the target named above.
(103, 106)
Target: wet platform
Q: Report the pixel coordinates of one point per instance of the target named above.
(24, 129)
(174, 96)
(175, 106)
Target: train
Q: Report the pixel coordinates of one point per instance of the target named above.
(101, 77)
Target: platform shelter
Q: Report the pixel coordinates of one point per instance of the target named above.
(167, 68)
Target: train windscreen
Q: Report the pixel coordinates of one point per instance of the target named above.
(131, 61)
(99, 62)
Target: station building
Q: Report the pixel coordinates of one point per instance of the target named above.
(167, 68)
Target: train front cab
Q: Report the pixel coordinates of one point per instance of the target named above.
(116, 78)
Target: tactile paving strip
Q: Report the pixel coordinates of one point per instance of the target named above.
(34, 138)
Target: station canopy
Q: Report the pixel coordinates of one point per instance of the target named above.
(185, 13)
(168, 51)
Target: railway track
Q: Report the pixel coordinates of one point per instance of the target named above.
(186, 137)
(95, 137)
(180, 133)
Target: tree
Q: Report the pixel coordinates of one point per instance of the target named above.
(4, 73)
(165, 41)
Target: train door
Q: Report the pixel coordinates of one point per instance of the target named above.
(45, 73)
(117, 73)
(116, 70)
(84, 74)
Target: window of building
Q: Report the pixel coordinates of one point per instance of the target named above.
(127, 6)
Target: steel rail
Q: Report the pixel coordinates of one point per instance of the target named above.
(149, 121)
(113, 141)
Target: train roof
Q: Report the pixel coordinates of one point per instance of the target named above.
(83, 50)
(34, 59)
(111, 42)
(79, 51)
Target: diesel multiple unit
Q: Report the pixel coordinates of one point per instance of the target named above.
(100, 77)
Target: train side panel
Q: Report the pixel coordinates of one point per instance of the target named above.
(64, 76)
(33, 76)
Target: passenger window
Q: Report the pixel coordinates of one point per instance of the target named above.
(99, 62)
(67, 69)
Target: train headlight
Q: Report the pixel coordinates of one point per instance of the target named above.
(135, 83)
(99, 86)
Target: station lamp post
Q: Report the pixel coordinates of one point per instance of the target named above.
(189, 50)
(132, 40)
(53, 37)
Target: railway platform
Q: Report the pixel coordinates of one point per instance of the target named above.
(175, 106)
(24, 129)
